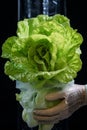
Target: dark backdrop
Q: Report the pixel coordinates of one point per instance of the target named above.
(8, 19)
(76, 11)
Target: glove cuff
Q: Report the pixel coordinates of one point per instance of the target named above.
(86, 94)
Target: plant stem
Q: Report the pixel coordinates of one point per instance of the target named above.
(45, 126)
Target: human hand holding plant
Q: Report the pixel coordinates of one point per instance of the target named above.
(72, 98)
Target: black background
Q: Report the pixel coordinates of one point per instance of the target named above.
(8, 19)
(76, 11)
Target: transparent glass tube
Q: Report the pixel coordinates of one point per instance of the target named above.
(32, 8)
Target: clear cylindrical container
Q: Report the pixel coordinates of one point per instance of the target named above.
(29, 9)
(32, 8)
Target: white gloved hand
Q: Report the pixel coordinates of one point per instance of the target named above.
(72, 97)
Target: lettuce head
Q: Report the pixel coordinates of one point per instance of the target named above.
(45, 47)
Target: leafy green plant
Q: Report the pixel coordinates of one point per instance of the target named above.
(43, 57)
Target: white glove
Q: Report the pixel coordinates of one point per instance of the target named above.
(72, 98)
